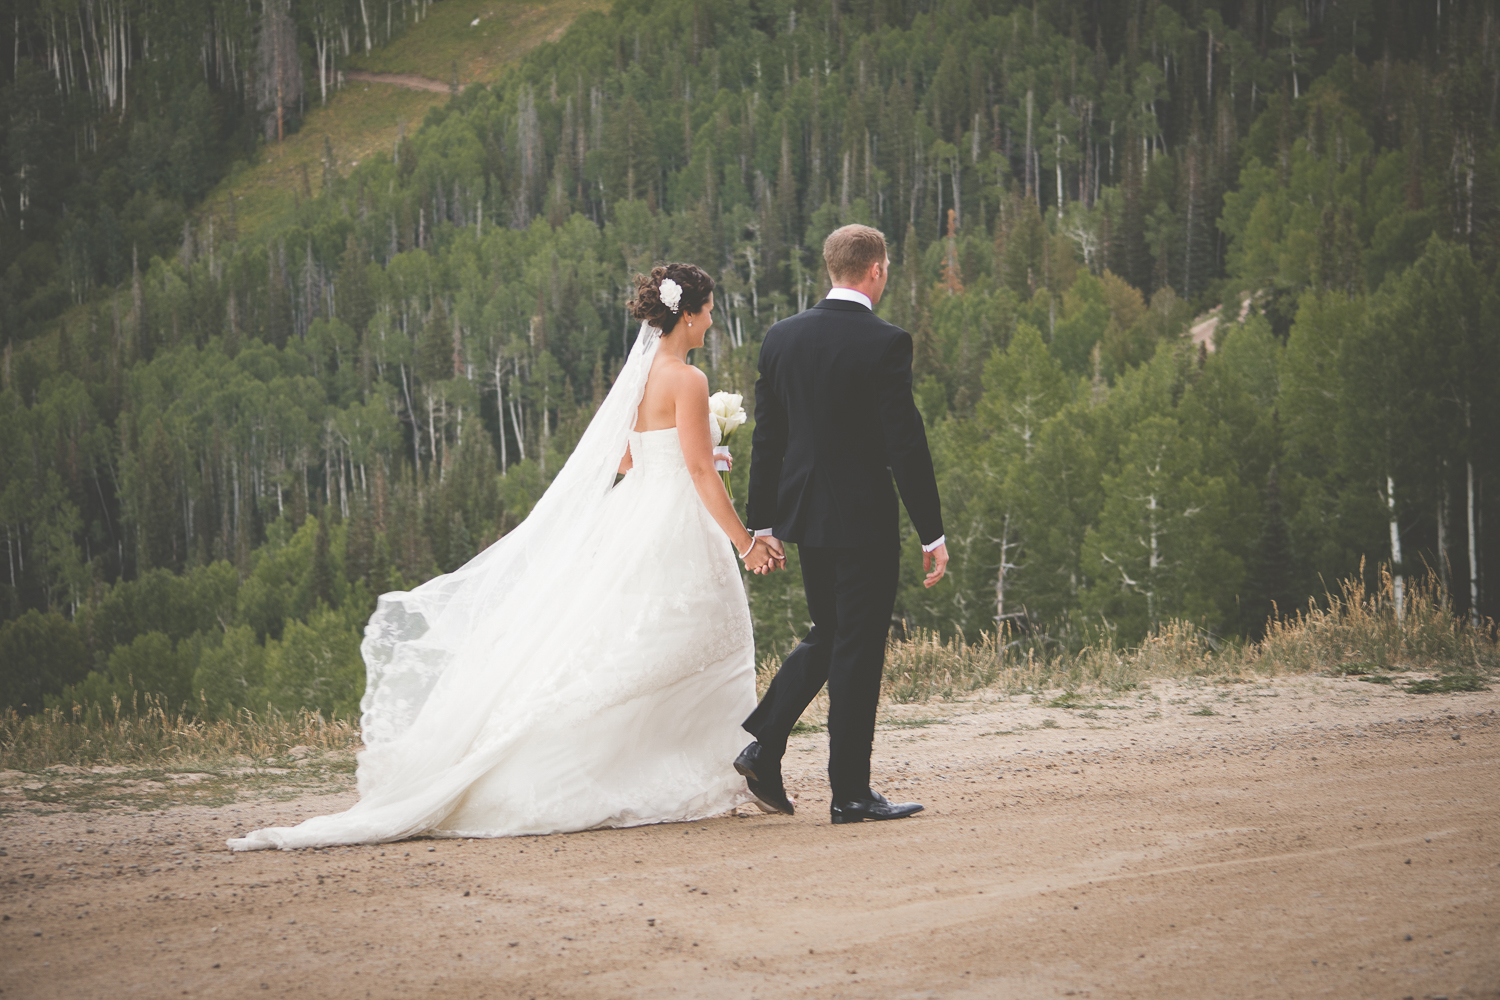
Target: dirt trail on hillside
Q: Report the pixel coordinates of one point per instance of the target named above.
(406, 80)
(1291, 839)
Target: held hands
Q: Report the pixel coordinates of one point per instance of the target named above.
(935, 564)
(778, 551)
(765, 556)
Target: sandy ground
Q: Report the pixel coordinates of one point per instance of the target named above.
(1311, 838)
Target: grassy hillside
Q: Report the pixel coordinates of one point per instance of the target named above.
(359, 120)
(448, 37)
(363, 118)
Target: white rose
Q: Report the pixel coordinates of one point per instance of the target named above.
(671, 293)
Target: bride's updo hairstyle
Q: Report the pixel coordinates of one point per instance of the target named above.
(647, 305)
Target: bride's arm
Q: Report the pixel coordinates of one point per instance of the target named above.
(697, 450)
(626, 463)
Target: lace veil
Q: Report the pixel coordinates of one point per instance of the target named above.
(473, 628)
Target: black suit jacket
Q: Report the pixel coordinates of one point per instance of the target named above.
(834, 421)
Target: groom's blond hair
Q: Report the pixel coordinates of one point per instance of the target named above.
(850, 250)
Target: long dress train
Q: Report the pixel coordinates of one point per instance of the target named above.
(591, 669)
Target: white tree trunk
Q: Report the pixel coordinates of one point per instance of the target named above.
(1030, 99)
(432, 433)
(1398, 581)
(500, 407)
(1473, 553)
(1059, 174)
(546, 435)
(1155, 560)
(1210, 67)
(516, 420)
(416, 429)
(365, 16)
(1000, 575)
(322, 44)
(958, 201)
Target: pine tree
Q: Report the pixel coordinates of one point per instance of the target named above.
(355, 303)
(359, 542)
(278, 305)
(318, 586)
(157, 500)
(1130, 252)
(43, 653)
(1268, 578)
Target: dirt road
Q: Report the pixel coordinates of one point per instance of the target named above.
(1308, 838)
(406, 80)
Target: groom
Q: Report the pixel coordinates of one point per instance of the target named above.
(834, 423)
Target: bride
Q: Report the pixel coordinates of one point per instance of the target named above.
(591, 668)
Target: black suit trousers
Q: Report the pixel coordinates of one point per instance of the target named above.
(850, 595)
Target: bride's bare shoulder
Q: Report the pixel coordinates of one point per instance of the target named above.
(682, 377)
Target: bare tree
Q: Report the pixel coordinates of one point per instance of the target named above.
(279, 80)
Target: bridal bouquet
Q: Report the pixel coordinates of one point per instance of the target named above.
(725, 415)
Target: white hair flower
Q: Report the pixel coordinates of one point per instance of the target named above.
(671, 293)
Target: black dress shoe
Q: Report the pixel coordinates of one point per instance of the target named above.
(763, 776)
(876, 807)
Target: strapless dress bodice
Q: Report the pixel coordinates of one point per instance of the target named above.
(657, 453)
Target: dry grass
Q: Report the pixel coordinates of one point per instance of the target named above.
(149, 734)
(1357, 633)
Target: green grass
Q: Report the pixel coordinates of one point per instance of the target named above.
(362, 118)
(1354, 669)
(911, 723)
(151, 788)
(507, 29)
(1447, 684)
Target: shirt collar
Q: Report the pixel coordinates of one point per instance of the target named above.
(850, 295)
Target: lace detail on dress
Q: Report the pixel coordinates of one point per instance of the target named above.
(603, 686)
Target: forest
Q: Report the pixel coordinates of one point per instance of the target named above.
(1203, 295)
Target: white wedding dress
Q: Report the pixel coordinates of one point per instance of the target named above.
(590, 669)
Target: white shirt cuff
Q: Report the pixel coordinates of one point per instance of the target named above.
(763, 532)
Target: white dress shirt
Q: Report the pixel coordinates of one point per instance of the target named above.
(851, 295)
